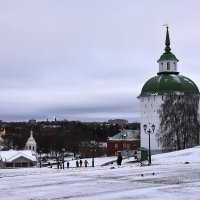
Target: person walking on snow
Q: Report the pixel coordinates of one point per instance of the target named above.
(77, 163)
(86, 163)
(81, 163)
(119, 160)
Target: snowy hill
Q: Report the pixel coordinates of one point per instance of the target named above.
(168, 178)
(191, 155)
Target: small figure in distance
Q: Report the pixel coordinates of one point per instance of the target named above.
(68, 164)
(81, 163)
(119, 159)
(86, 163)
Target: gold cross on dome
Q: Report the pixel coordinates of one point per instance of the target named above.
(166, 25)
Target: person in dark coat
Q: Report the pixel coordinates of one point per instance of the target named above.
(77, 163)
(119, 159)
(81, 162)
(68, 164)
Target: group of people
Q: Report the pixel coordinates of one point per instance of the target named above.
(79, 163)
(59, 164)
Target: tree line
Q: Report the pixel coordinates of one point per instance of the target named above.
(53, 136)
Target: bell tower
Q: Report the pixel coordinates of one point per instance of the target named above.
(31, 144)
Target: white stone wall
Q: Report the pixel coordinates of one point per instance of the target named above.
(149, 107)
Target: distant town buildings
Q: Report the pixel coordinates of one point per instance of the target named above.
(120, 122)
(32, 121)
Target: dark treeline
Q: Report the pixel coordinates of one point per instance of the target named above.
(53, 136)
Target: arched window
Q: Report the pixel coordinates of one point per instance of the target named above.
(161, 66)
(168, 65)
(174, 66)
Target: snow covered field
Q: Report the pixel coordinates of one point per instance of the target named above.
(172, 179)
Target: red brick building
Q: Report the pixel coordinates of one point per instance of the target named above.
(126, 142)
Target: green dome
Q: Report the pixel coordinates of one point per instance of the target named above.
(168, 83)
(167, 56)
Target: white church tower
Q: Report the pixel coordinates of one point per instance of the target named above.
(31, 144)
(153, 93)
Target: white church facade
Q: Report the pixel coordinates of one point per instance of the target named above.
(19, 158)
(154, 91)
(31, 143)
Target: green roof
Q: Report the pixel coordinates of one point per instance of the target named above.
(167, 56)
(168, 83)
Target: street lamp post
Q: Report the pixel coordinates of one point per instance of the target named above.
(92, 151)
(149, 132)
(63, 150)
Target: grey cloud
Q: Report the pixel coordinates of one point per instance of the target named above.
(88, 59)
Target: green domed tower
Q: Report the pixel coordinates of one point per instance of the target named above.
(167, 81)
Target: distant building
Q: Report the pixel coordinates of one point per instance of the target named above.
(12, 158)
(31, 144)
(51, 126)
(126, 142)
(120, 122)
(32, 121)
(92, 149)
(20, 158)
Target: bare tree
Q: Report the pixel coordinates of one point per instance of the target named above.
(179, 125)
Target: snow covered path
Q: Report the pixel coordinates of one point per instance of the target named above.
(169, 182)
(172, 180)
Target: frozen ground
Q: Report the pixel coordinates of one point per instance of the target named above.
(173, 179)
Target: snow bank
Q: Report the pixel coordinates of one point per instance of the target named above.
(191, 155)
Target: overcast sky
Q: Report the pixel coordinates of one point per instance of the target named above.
(88, 59)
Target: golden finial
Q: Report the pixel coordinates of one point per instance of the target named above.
(166, 25)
